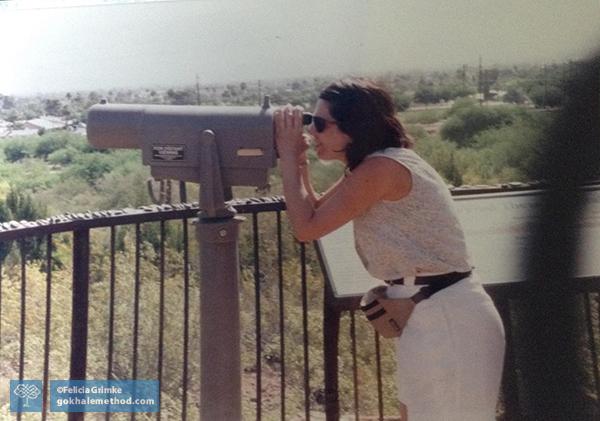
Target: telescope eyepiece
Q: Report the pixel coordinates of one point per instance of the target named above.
(306, 119)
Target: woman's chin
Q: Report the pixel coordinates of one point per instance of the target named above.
(324, 159)
(322, 156)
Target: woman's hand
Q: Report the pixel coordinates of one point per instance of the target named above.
(289, 137)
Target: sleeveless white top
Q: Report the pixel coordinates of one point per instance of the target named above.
(419, 234)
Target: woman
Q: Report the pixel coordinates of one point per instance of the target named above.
(450, 355)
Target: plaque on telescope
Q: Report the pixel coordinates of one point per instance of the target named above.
(496, 230)
(168, 152)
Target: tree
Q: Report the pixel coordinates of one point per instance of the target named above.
(93, 98)
(5, 216)
(182, 97)
(16, 150)
(401, 101)
(546, 96)
(8, 102)
(49, 144)
(12, 116)
(90, 167)
(487, 79)
(66, 111)
(468, 121)
(452, 91)
(52, 107)
(22, 207)
(427, 94)
(514, 95)
(62, 156)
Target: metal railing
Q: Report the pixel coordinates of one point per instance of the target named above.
(134, 314)
(128, 247)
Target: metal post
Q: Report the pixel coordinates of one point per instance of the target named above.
(79, 324)
(220, 386)
(218, 233)
(331, 333)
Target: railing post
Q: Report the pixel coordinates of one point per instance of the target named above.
(79, 323)
(331, 333)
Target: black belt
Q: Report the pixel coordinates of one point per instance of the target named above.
(433, 284)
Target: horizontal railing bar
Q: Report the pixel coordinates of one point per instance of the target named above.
(576, 284)
(67, 222)
(14, 230)
(515, 187)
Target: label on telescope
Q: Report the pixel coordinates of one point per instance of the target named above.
(168, 152)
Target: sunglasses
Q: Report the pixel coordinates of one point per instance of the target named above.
(320, 123)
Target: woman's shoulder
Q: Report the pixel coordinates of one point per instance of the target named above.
(419, 169)
(398, 154)
(391, 170)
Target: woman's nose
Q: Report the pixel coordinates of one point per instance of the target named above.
(311, 129)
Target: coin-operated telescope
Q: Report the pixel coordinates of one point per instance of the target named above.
(218, 147)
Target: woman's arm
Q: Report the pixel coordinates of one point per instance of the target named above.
(317, 199)
(322, 197)
(305, 174)
(373, 180)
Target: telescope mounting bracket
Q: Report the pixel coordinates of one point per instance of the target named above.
(212, 191)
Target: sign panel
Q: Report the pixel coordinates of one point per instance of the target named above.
(497, 236)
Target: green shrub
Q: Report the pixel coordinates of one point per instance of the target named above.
(124, 186)
(514, 95)
(461, 104)
(430, 94)
(50, 142)
(5, 215)
(415, 131)
(427, 95)
(468, 121)
(63, 156)
(402, 101)
(546, 96)
(501, 155)
(16, 150)
(21, 206)
(90, 167)
(423, 116)
(440, 155)
(450, 92)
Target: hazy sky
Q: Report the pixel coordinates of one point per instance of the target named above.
(59, 46)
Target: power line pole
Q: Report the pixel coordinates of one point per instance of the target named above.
(545, 86)
(259, 93)
(480, 83)
(197, 90)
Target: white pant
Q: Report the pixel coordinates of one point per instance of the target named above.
(450, 356)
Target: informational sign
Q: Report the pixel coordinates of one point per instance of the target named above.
(497, 234)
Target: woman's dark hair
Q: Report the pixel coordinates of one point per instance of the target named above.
(365, 112)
